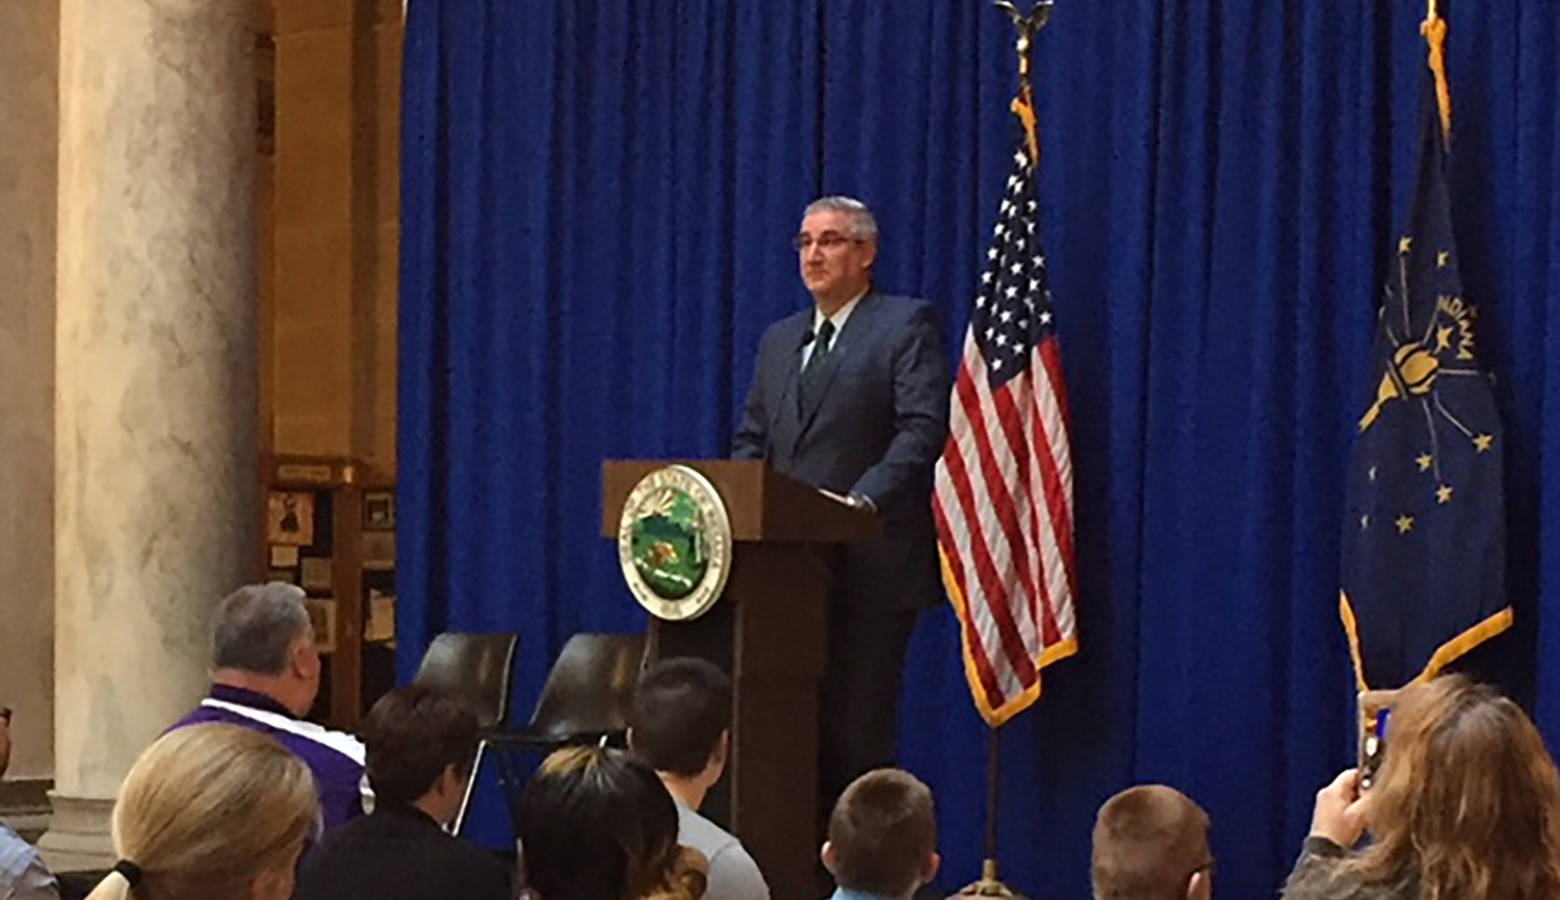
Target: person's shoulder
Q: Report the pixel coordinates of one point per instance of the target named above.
(338, 845)
(694, 830)
(794, 323)
(322, 748)
(356, 830)
(15, 853)
(331, 757)
(733, 874)
(900, 309)
(483, 873)
(202, 715)
(901, 302)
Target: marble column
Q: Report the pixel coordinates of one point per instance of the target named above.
(156, 372)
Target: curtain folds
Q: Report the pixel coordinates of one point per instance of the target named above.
(597, 203)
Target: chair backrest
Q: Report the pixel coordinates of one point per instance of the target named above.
(473, 666)
(590, 687)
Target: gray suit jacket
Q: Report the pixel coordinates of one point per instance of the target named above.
(875, 426)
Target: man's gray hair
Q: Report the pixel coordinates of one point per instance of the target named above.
(863, 224)
(256, 625)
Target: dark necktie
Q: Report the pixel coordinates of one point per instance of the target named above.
(822, 344)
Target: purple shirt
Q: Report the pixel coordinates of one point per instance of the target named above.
(335, 757)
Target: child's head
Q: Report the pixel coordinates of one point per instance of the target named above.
(883, 835)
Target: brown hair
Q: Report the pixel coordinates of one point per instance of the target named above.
(597, 824)
(1467, 805)
(206, 810)
(1148, 841)
(412, 735)
(680, 709)
(883, 829)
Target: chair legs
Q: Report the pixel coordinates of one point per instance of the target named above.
(471, 786)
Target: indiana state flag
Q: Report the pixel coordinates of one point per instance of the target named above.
(1423, 577)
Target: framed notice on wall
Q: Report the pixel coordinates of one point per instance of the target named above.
(289, 518)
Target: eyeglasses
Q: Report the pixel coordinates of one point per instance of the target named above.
(827, 241)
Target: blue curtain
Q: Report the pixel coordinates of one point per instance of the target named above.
(597, 199)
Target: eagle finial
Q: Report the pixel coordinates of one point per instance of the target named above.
(1031, 23)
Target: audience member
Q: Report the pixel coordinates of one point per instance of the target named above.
(882, 837)
(23, 876)
(267, 673)
(596, 824)
(1151, 843)
(421, 746)
(211, 812)
(1466, 807)
(680, 723)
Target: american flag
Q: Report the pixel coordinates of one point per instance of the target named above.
(1003, 486)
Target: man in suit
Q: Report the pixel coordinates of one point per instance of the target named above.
(851, 395)
(421, 746)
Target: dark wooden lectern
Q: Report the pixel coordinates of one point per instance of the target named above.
(770, 631)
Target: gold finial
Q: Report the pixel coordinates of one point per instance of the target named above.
(1028, 26)
(1024, 103)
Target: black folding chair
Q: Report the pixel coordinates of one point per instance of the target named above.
(584, 701)
(477, 668)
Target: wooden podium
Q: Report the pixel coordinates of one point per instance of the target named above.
(770, 631)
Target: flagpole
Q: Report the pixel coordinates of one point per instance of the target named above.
(1023, 106)
(989, 884)
(993, 802)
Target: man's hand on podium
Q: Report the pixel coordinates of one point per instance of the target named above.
(854, 500)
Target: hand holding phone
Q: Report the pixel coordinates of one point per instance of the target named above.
(1339, 815)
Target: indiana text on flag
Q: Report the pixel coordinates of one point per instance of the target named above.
(1003, 487)
(1423, 577)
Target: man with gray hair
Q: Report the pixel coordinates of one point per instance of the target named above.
(265, 675)
(851, 395)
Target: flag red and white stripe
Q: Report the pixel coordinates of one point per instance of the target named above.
(1003, 486)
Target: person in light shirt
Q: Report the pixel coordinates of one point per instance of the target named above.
(680, 723)
(23, 876)
(882, 838)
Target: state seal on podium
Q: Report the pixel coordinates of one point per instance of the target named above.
(674, 543)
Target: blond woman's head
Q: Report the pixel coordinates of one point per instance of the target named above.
(1468, 801)
(213, 811)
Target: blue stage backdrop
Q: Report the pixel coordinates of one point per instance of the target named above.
(597, 203)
